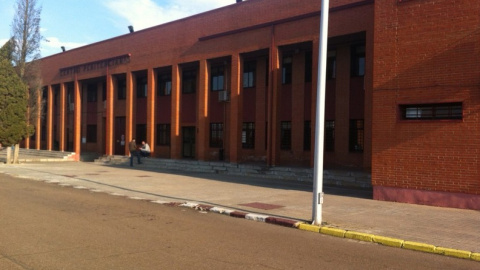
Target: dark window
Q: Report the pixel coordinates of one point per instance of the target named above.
(164, 84)
(91, 133)
(122, 89)
(142, 87)
(216, 135)
(104, 91)
(432, 111)
(189, 81)
(43, 133)
(331, 65)
(248, 135)
(307, 131)
(163, 134)
(249, 68)
(217, 78)
(358, 61)
(287, 70)
(141, 133)
(356, 135)
(92, 93)
(285, 135)
(329, 135)
(308, 66)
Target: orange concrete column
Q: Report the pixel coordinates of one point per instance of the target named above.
(235, 128)
(202, 114)
(129, 112)
(38, 126)
(50, 118)
(151, 97)
(62, 118)
(109, 116)
(273, 135)
(175, 139)
(77, 119)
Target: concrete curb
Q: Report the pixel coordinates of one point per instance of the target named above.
(392, 242)
(365, 237)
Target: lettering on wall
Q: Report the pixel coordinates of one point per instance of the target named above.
(96, 65)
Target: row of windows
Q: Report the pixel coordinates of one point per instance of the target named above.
(217, 76)
(248, 135)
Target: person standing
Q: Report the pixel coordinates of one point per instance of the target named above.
(132, 146)
(145, 149)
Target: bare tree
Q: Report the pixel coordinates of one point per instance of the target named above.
(26, 53)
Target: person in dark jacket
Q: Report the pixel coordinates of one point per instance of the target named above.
(132, 146)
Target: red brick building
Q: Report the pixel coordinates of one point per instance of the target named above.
(239, 84)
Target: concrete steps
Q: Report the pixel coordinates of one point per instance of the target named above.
(339, 178)
(33, 155)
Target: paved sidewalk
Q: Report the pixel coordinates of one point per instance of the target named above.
(344, 209)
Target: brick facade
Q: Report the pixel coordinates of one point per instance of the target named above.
(426, 52)
(160, 85)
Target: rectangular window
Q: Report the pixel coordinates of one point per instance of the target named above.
(329, 135)
(356, 135)
(189, 81)
(285, 135)
(308, 66)
(249, 68)
(216, 135)
(331, 65)
(307, 131)
(439, 111)
(287, 70)
(163, 134)
(164, 84)
(217, 78)
(121, 89)
(248, 135)
(358, 61)
(142, 87)
(92, 93)
(104, 91)
(91, 133)
(141, 133)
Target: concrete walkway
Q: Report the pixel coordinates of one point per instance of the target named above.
(351, 210)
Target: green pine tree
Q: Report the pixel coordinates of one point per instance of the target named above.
(13, 101)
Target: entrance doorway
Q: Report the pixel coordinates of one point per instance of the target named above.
(188, 142)
(120, 123)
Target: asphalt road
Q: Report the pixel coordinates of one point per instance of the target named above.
(44, 226)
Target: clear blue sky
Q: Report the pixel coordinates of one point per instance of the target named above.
(74, 23)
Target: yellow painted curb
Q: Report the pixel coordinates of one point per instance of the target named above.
(475, 256)
(359, 236)
(419, 246)
(308, 227)
(333, 231)
(387, 241)
(453, 252)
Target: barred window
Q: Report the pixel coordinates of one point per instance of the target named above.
(329, 135)
(163, 134)
(356, 135)
(285, 135)
(437, 111)
(248, 135)
(216, 135)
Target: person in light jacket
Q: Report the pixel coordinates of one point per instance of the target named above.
(145, 149)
